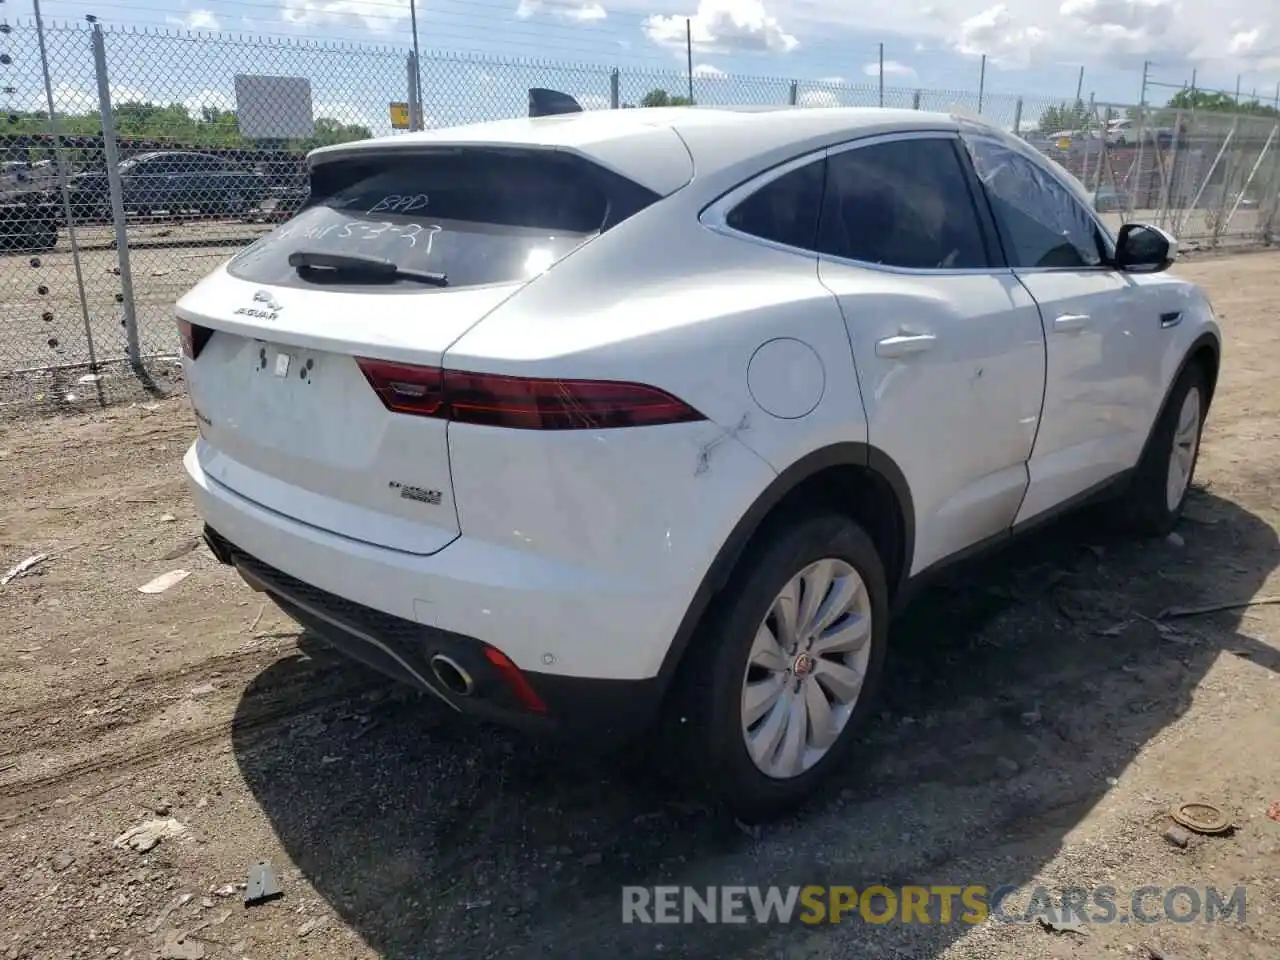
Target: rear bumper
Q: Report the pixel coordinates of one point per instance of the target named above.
(540, 703)
(546, 615)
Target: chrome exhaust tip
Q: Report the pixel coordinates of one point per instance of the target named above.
(452, 676)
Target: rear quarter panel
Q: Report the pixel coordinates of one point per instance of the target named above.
(659, 300)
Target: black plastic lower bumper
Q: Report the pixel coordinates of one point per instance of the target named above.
(601, 710)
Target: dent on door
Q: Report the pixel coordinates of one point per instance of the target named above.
(952, 375)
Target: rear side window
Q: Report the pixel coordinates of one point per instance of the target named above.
(784, 210)
(902, 203)
(476, 216)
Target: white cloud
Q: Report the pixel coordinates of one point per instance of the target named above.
(997, 34)
(723, 26)
(707, 70)
(208, 98)
(69, 98)
(1222, 39)
(892, 68)
(376, 16)
(579, 11)
(817, 98)
(344, 111)
(196, 20)
(1229, 37)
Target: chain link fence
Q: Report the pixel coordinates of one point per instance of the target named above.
(134, 161)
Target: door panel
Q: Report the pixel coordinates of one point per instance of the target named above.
(1102, 354)
(1102, 372)
(958, 412)
(947, 343)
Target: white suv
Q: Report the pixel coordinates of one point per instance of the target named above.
(575, 420)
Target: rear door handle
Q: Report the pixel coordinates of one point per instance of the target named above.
(1170, 319)
(1069, 322)
(904, 344)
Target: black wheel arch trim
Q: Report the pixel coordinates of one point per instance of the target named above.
(1206, 339)
(847, 454)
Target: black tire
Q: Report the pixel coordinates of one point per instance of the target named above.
(1144, 506)
(712, 687)
(44, 236)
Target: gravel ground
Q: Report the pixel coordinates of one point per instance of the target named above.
(1040, 718)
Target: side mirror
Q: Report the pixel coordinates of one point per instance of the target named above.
(1142, 248)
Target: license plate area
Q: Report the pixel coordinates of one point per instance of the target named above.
(285, 363)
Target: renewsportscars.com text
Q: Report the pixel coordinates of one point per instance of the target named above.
(972, 904)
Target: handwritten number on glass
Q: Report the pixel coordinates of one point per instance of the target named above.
(400, 203)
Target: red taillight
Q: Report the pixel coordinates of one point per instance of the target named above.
(194, 337)
(524, 693)
(525, 403)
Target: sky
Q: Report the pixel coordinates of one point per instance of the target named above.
(497, 48)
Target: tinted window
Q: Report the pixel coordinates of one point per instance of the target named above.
(1041, 223)
(784, 210)
(477, 216)
(150, 166)
(902, 203)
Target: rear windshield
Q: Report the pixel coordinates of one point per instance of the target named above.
(476, 216)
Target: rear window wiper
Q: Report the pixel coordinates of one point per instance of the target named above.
(355, 266)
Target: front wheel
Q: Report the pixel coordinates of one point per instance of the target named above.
(1157, 493)
(789, 668)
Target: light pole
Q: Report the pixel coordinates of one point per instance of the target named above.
(417, 62)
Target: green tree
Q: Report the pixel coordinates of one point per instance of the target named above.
(1207, 101)
(660, 98)
(330, 131)
(1075, 116)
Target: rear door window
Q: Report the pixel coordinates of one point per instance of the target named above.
(477, 216)
(902, 203)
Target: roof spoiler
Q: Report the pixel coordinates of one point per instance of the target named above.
(551, 103)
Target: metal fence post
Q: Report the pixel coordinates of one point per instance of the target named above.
(61, 163)
(915, 100)
(411, 76)
(615, 87)
(1195, 202)
(1252, 173)
(982, 82)
(882, 74)
(111, 154)
(1017, 118)
(793, 97)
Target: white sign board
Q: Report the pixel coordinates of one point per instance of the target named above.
(276, 108)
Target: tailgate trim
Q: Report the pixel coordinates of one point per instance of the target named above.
(209, 457)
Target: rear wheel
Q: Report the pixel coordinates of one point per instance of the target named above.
(788, 669)
(1154, 501)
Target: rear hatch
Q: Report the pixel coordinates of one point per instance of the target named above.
(311, 356)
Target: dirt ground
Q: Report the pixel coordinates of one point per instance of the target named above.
(1042, 714)
(42, 322)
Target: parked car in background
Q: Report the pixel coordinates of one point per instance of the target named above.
(1119, 131)
(1109, 199)
(529, 416)
(173, 182)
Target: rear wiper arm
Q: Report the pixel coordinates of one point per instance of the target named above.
(355, 265)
